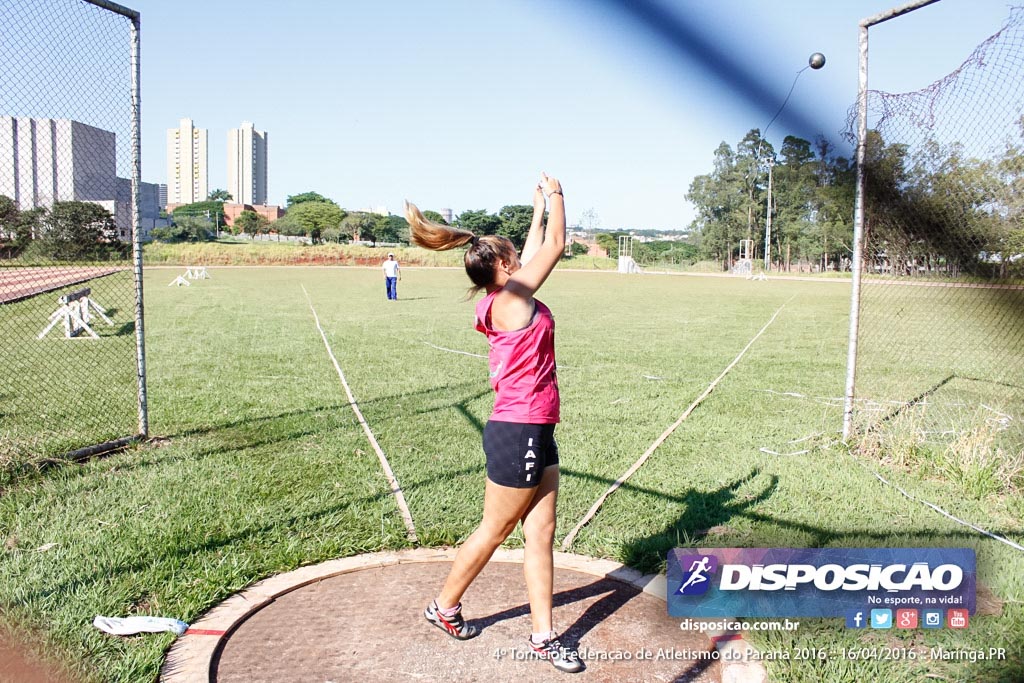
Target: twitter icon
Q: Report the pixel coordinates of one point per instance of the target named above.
(881, 618)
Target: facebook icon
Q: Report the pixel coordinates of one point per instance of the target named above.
(856, 619)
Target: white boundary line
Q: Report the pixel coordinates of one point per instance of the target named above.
(567, 541)
(464, 353)
(392, 481)
(933, 506)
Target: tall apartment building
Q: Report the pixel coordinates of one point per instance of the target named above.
(247, 164)
(43, 161)
(186, 164)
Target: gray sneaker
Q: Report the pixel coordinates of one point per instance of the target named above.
(563, 658)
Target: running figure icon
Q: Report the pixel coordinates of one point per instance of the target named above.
(698, 573)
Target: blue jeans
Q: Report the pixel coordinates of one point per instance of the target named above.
(391, 284)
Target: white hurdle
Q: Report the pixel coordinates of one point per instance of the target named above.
(191, 273)
(745, 264)
(74, 312)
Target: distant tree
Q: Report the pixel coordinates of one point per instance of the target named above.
(220, 196)
(610, 242)
(18, 228)
(8, 213)
(793, 205)
(721, 206)
(307, 197)
(213, 211)
(185, 229)
(479, 222)
(833, 205)
(579, 249)
(9, 220)
(79, 230)
(392, 229)
(30, 225)
(310, 218)
(247, 222)
(435, 216)
(362, 224)
(663, 251)
(515, 223)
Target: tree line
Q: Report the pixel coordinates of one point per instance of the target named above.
(65, 231)
(929, 209)
(812, 195)
(321, 219)
(934, 209)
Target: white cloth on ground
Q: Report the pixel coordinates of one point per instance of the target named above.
(126, 626)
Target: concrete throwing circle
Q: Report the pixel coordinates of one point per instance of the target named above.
(361, 618)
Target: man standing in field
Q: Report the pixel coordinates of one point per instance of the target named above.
(391, 276)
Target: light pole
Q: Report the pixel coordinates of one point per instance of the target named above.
(816, 61)
(768, 220)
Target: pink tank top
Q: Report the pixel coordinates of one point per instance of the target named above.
(522, 366)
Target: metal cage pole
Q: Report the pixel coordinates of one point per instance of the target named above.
(136, 133)
(858, 212)
(140, 338)
(858, 235)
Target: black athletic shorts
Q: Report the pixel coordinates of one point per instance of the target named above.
(518, 453)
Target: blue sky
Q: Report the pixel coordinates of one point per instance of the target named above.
(461, 104)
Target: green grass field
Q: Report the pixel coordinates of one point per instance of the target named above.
(261, 466)
(59, 394)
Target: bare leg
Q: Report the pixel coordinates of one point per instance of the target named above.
(538, 563)
(503, 507)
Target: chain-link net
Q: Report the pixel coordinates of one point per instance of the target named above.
(68, 368)
(940, 360)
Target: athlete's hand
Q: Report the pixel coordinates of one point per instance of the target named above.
(538, 198)
(549, 185)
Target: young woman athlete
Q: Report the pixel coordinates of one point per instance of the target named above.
(522, 456)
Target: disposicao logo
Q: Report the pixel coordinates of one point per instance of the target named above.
(818, 582)
(697, 578)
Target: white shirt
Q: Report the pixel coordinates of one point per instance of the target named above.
(391, 268)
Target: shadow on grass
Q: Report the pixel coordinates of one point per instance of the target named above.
(218, 542)
(252, 420)
(707, 510)
(462, 407)
(913, 402)
(703, 513)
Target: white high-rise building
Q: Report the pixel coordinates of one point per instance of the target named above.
(186, 164)
(43, 161)
(247, 164)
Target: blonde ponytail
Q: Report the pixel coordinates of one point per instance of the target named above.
(431, 235)
(481, 258)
